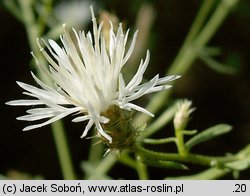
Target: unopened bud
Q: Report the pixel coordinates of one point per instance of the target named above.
(182, 115)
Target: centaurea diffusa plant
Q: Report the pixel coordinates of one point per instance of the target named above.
(88, 81)
(85, 80)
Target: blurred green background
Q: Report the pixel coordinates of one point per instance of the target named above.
(218, 98)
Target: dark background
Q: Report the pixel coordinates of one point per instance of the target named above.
(218, 98)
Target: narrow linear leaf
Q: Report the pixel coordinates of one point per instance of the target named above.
(159, 141)
(219, 67)
(208, 134)
(240, 164)
(207, 56)
(165, 164)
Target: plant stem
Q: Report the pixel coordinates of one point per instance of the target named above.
(180, 143)
(141, 168)
(189, 158)
(126, 160)
(29, 23)
(215, 21)
(63, 151)
(198, 22)
(96, 151)
(57, 127)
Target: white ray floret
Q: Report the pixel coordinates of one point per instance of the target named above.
(88, 79)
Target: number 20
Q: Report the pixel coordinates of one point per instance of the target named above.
(240, 188)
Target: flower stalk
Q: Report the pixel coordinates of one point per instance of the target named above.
(180, 143)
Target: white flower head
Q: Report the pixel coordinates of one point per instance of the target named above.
(88, 80)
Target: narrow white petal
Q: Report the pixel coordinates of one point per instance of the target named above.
(121, 86)
(131, 48)
(167, 79)
(34, 90)
(51, 102)
(87, 128)
(143, 90)
(102, 132)
(112, 41)
(104, 120)
(57, 49)
(81, 118)
(24, 102)
(158, 88)
(45, 123)
(136, 80)
(126, 37)
(130, 106)
(33, 117)
(41, 111)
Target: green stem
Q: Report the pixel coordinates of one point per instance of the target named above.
(189, 158)
(184, 61)
(215, 21)
(96, 151)
(63, 151)
(198, 22)
(57, 127)
(141, 168)
(193, 32)
(126, 160)
(29, 22)
(180, 143)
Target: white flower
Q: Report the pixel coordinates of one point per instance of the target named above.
(88, 80)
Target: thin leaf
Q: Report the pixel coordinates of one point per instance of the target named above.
(240, 164)
(217, 66)
(208, 134)
(159, 141)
